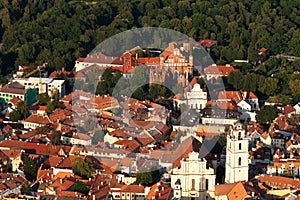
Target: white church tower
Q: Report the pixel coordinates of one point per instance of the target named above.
(236, 155)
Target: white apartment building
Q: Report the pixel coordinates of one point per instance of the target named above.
(44, 85)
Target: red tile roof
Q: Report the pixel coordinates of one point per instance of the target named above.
(280, 182)
(149, 61)
(236, 96)
(38, 119)
(159, 191)
(233, 191)
(13, 154)
(207, 43)
(103, 103)
(62, 185)
(218, 69)
(13, 88)
(14, 101)
(128, 145)
(288, 109)
(133, 189)
(252, 95)
(37, 107)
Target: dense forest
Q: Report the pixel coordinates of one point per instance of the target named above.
(59, 31)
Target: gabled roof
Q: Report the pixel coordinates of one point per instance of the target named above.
(233, 191)
(14, 88)
(207, 43)
(237, 96)
(149, 61)
(288, 109)
(38, 107)
(251, 95)
(15, 101)
(62, 184)
(12, 154)
(159, 191)
(38, 119)
(219, 69)
(133, 189)
(279, 182)
(128, 145)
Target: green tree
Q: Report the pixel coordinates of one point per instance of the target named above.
(295, 87)
(269, 87)
(43, 98)
(3, 80)
(139, 94)
(50, 107)
(18, 133)
(80, 187)
(98, 137)
(266, 115)
(148, 176)
(89, 124)
(30, 168)
(14, 116)
(235, 79)
(56, 137)
(83, 167)
(157, 91)
(25, 189)
(23, 109)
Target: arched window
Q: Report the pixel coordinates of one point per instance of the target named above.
(206, 184)
(240, 161)
(240, 146)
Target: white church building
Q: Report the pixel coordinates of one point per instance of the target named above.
(194, 99)
(193, 180)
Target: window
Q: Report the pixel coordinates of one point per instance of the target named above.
(240, 161)
(240, 146)
(193, 183)
(206, 184)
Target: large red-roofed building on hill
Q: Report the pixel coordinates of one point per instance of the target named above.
(217, 71)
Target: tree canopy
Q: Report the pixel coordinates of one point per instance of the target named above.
(266, 115)
(58, 32)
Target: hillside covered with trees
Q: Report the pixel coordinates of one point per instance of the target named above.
(59, 31)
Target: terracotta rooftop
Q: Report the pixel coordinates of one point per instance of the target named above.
(159, 191)
(133, 189)
(233, 191)
(218, 69)
(12, 154)
(38, 119)
(14, 88)
(279, 182)
(207, 43)
(14, 101)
